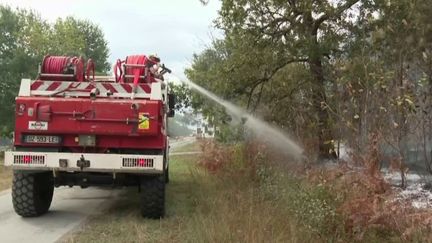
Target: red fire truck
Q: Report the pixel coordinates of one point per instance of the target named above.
(73, 128)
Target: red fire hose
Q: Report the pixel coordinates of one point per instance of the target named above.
(135, 66)
(136, 71)
(54, 64)
(62, 65)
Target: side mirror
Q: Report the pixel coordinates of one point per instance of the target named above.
(171, 105)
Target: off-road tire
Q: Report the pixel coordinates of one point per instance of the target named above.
(32, 193)
(153, 197)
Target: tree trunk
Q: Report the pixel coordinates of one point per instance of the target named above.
(319, 100)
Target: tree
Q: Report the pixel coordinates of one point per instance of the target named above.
(26, 38)
(10, 26)
(81, 38)
(22, 44)
(264, 38)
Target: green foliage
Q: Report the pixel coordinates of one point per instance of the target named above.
(227, 133)
(17, 57)
(315, 208)
(274, 53)
(182, 95)
(323, 70)
(81, 38)
(311, 208)
(26, 38)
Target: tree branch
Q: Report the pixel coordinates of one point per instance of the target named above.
(259, 97)
(338, 11)
(271, 75)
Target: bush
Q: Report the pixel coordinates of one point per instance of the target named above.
(333, 203)
(247, 168)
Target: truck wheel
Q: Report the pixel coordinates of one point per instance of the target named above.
(153, 197)
(32, 193)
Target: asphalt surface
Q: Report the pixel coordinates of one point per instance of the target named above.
(69, 209)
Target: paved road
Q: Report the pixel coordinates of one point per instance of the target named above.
(180, 143)
(70, 207)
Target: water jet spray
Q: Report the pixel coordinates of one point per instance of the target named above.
(273, 135)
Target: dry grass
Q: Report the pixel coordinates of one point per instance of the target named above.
(367, 206)
(123, 223)
(200, 208)
(233, 194)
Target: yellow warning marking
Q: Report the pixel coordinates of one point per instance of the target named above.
(144, 122)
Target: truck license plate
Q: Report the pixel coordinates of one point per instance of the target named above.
(42, 139)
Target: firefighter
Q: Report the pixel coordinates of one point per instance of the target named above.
(153, 66)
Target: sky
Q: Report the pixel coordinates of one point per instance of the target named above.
(172, 29)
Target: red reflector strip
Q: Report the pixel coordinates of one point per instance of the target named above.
(29, 159)
(53, 86)
(127, 87)
(146, 88)
(35, 85)
(137, 162)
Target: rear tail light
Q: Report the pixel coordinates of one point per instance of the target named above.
(29, 159)
(138, 162)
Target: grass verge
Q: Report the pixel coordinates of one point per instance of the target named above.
(233, 194)
(122, 221)
(201, 207)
